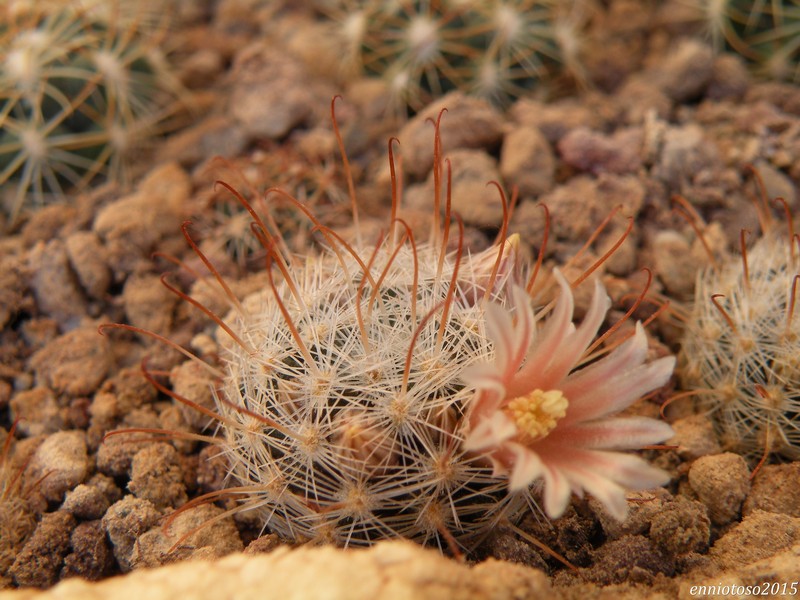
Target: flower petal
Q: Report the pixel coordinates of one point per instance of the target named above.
(527, 467)
(618, 392)
(490, 432)
(557, 491)
(624, 433)
(557, 327)
(605, 475)
(631, 353)
(576, 343)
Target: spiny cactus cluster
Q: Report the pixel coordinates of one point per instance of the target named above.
(348, 388)
(496, 50)
(740, 353)
(766, 34)
(79, 90)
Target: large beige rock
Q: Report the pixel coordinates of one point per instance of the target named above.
(389, 570)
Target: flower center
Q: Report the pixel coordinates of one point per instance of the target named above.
(536, 414)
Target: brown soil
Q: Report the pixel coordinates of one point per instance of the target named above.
(662, 115)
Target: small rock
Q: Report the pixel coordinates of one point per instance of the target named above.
(632, 558)
(503, 544)
(595, 152)
(639, 100)
(36, 412)
(192, 381)
(54, 284)
(131, 226)
(476, 202)
(199, 534)
(685, 72)
(86, 502)
(13, 287)
(695, 437)
(674, 264)
(75, 363)
(468, 123)
(48, 223)
(87, 259)
(59, 464)
(527, 161)
(730, 78)
(271, 93)
(775, 489)
(115, 455)
(390, 569)
(39, 562)
(686, 155)
(91, 557)
(642, 509)
(577, 206)
(721, 482)
(759, 535)
(148, 303)
(124, 522)
(681, 527)
(156, 476)
(555, 119)
(216, 135)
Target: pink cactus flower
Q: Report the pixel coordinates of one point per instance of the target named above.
(536, 416)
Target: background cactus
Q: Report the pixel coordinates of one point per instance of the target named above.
(740, 353)
(767, 34)
(497, 50)
(80, 89)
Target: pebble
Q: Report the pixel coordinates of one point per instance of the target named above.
(75, 363)
(85, 502)
(775, 489)
(130, 226)
(760, 535)
(199, 534)
(193, 382)
(13, 285)
(53, 283)
(91, 557)
(631, 558)
(686, 70)
(148, 303)
(476, 202)
(721, 482)
(468, 123)
(87, 259)
(595, 152)
(681, 527)
(271, 93)
(39, 562)
(527, 161)
(124, 522)
(156, 476)
(59, 464)
(36, 412)
(695, 437)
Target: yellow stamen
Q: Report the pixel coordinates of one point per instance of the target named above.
(537, 413)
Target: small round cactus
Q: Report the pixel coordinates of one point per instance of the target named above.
(401, 388)
(78, 92)
(740, 353)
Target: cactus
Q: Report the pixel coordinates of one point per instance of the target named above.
(766, 34)
(78, 93)
(361, 387)
(740, 354)
(496, 50)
